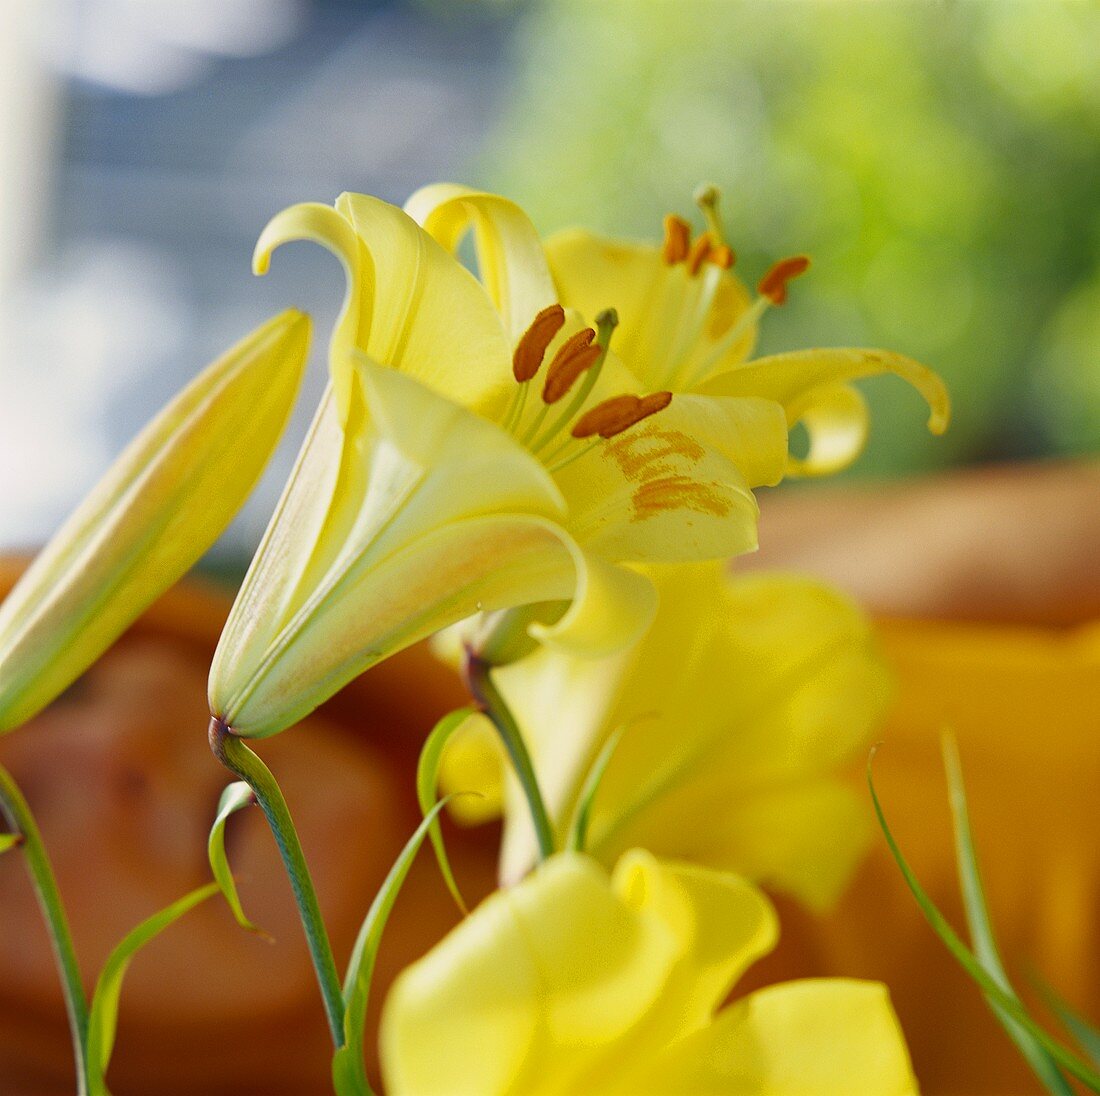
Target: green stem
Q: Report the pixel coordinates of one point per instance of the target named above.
(480, 683)
(235, 755)
(19, 819)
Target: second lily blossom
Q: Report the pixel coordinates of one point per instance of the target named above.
(481, 447)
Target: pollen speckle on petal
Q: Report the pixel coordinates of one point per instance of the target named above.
(678, 493)
(642, 456)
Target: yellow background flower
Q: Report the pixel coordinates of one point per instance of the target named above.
(574, 982)
(738, 711)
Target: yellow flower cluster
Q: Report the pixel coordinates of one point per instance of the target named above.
(561, 452)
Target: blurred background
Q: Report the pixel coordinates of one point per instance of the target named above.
(939, 160)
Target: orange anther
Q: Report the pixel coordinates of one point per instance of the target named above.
(574, 356)
(617, 414)
(698, 253)
(722, 256)
(774, 284)
(677, 239)
(531, 348)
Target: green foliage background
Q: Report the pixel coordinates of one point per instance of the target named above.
(939, 160)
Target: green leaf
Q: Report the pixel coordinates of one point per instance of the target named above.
(349, 1077)
(965, 958)
(9, 841)
(427, 784)
(1087, 1036)
(578, 829)
(236, 796)
(103, 1017)
(981, 927)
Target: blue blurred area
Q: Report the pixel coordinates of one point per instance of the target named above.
(939, 160)
(157, 195)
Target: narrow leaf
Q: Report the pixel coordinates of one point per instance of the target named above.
(965, 958)
(1087, 1036)
(9, 841)
(349, 1076)
(427, 784)
(578, 829)
(103, 1018)
(981, 927)
(236, 796)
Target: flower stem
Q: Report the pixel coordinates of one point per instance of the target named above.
(19, 819)
(480, 683)
(235, 755)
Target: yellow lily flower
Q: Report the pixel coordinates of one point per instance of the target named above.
(156, 511)
(481, 448)
(576, 982)
(687, 325)
(732, 716)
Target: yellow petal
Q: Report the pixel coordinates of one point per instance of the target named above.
(157, 510)
(611, 607)
(750, 432)
(825, 1037)
(723, 925)
(411, 518)
(836, 421)
(387, 531)
(806, 383)
(805, 838)
(509, 253)
(738, 705)
(655, 493)
(409, 304)
(529, 992)
(666, 328)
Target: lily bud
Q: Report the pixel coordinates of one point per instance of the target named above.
(157, 510)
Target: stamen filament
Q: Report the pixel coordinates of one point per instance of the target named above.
(689, 327)
(582, 452)
(773, 291)
(750, 316)
(533, 429)
(515, 406)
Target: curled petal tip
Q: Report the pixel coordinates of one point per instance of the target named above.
(939, 406)
(261, 259)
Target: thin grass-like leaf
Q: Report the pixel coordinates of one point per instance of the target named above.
(966, 959)
(1086, 1036)
(9, 841)
(236, 796)
(349, 1077)
(578, 828)
(103, 1017)
(981, 927)
(427, 784)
